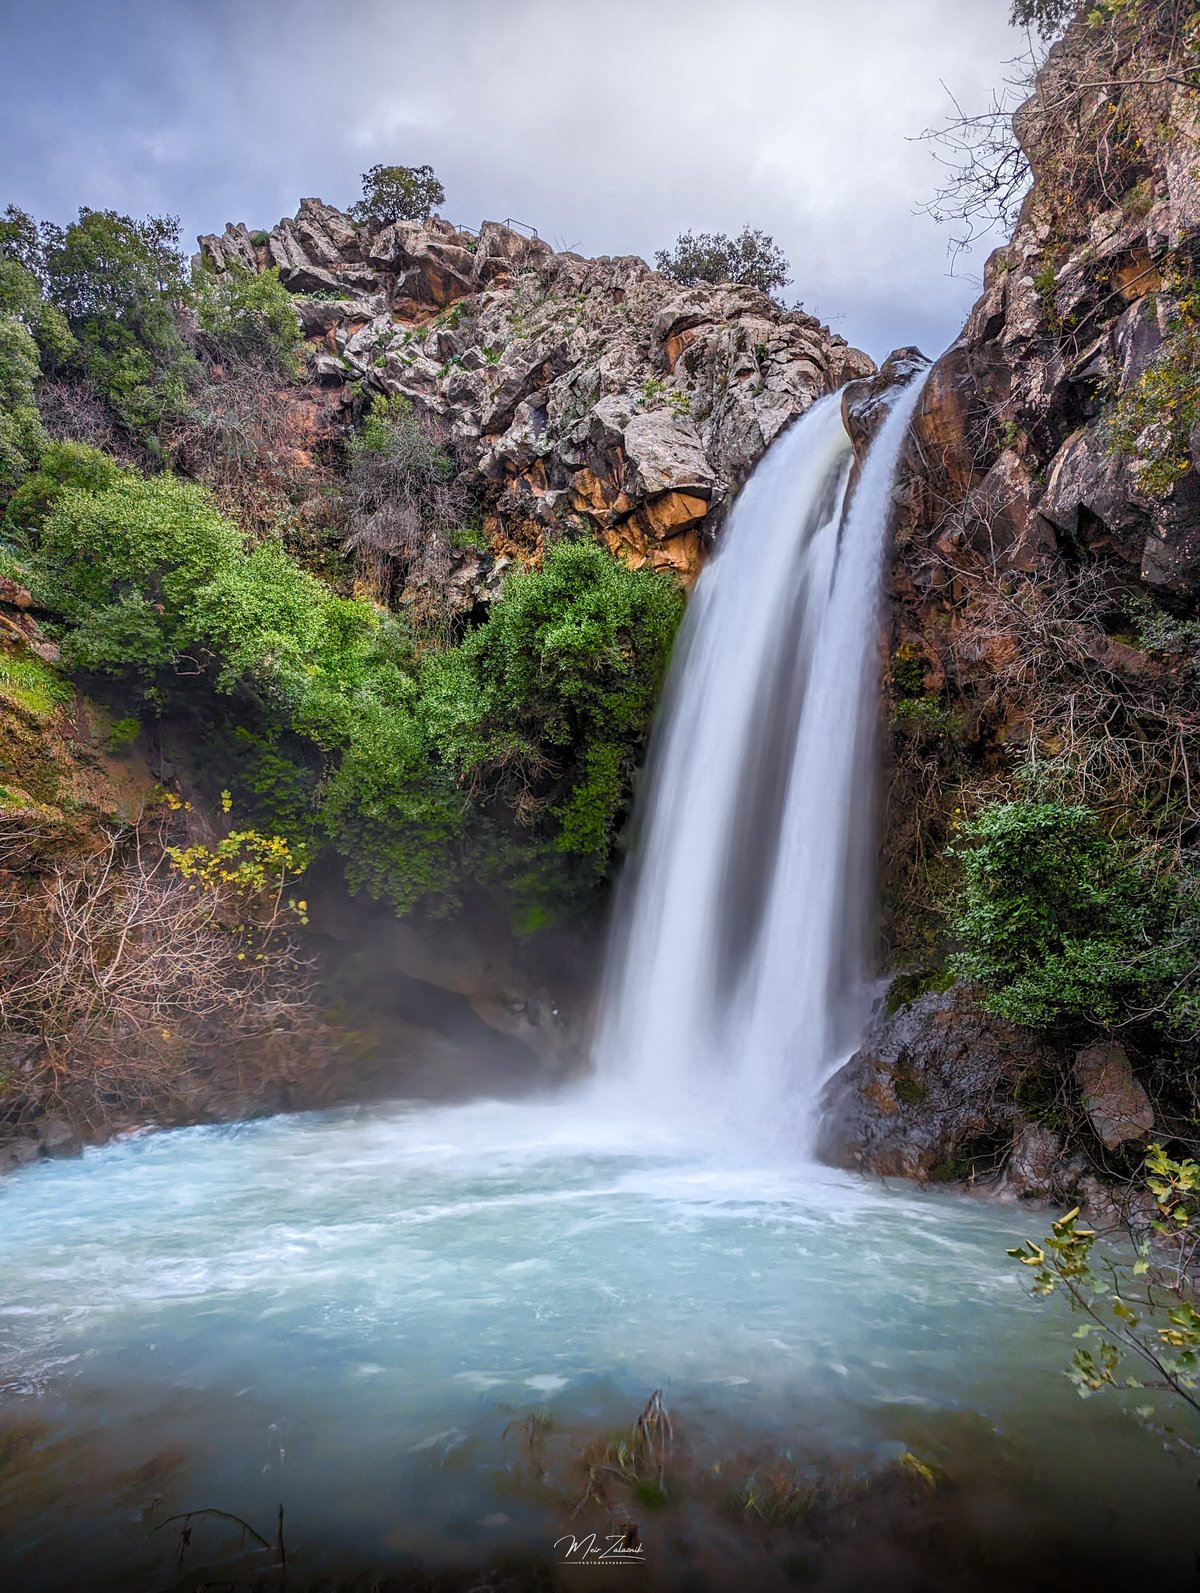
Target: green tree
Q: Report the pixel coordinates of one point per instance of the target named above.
(752, 258)
(398, 193)
(122, 284)
(22, 437)
(22, 269)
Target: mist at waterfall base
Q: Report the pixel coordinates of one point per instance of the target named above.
(407, 1324)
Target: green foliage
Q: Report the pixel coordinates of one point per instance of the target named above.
(22, 437)
(394, 817)
(62, 465)
(752, 258)
(265, 618)
(34, 685)
(548, 703)
(126, 566)
(1049, 17)
(1155, 420)
(1060, 923)
(397, 193)
(517, 746)
(22, 263)
(1140, 1312)
(249, 315)
(908, 671)
(123, 733)
(120, 284)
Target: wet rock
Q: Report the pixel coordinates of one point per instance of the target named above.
(929, 1093)
(866, 402)
(18, 1153)
(58, 1137)
(1116, 1104)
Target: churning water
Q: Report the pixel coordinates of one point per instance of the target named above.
(348, 1313)
(406, 1325)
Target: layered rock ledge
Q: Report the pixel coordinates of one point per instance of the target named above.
(595, 393)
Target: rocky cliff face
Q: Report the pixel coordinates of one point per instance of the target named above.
(1047, 549)
(588, 392)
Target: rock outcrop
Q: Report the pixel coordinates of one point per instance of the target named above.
(1037, 554)
(930, 1096)
(593, 393)
(1014, 441)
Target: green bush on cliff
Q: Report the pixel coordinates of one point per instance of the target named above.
(249, 315)
(546, 706)
(122, 567)
(1060, 923)
(517, 746)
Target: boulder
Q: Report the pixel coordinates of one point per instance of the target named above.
(58, 1137)
(929, 1093)
(1117, 1106)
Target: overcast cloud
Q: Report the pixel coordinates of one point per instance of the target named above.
(610, 125)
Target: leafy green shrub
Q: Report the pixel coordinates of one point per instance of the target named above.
(1060, 923)
(397, 193)
(62, 465)
(394, 817)
(1139, 1313)
(547, 705)
(249, 315)
(123, 566)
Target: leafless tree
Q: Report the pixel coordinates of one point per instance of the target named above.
(120, 975)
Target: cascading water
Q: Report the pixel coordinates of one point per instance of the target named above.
(377, 1318)
(739, 968)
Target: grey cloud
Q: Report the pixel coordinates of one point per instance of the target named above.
(611, 125)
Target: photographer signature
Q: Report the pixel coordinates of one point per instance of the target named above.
(592, 1549)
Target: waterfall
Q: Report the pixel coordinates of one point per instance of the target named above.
(739, 964)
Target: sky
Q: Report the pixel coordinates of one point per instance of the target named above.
(609, 125)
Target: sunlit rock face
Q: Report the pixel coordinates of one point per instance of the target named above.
(591, 395)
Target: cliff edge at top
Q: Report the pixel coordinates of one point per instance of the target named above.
(597, 392)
